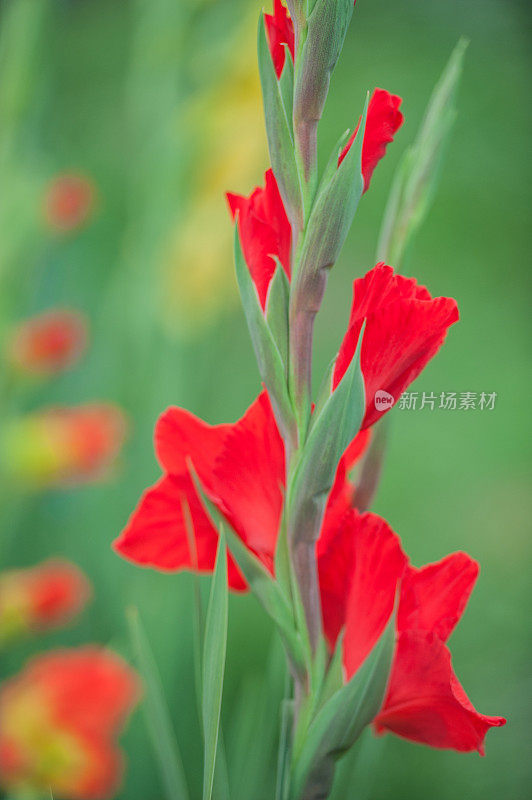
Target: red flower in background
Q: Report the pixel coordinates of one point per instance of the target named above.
(280, 31)
(265, 232)
(64, 445)
(405, 328)
(383, 121)
(59, 719)
(263, 225)
(361, 566)
(242, 469)
(48, 343)
(69, 201)
(42, 597)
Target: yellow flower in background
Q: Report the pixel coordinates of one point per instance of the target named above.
(198, 274)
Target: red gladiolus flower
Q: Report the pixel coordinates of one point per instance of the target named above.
(383, 121)
(69, 202)
(361, 566)
(405, 328)
(39, 598)
(265, 232)
(64, 445)
(48, 343)
(59, 719)
(360, 561)
(280, 31)
(242, 470)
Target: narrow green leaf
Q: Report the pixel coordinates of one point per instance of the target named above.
(279, 131)
(269, 359)
(333, 211)
(335, 674)
(283, 757)
(286, 84)
(334, 429)
(324, 392)
(257, 710)
(417, 176)
(271, 597)
(214, 665)
(277, 311)
(156, 713)
(343, 718)
(268, 591)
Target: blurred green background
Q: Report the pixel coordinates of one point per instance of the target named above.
(157, 101)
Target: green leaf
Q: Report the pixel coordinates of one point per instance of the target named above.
(257, 710)
(271, 597)
(332, 213)
(417, 176)
(342, 719)
(324, 392)
(214, 665)
(335, 674)
(277, 311)
(269, 359)
(269, 592)
(279, 131)
(156, 713)
(283, 756)
(331, 433)
(286, 83)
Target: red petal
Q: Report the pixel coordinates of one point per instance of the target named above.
(425, 701)
(249, 477)
(359, 572)
(379, 565)
(434, 597)
(405, 328)
(157, 536)
(280, 31)
(265, 232)
(181, 436)
(336, 555)
(383, 121)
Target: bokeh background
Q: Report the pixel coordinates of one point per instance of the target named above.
(157, 103)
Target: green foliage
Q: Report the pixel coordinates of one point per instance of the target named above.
(157, 715)
(418, 174)
(214, 666)
(279, 129)
(271, 367)
(337, 425)
(341, 720)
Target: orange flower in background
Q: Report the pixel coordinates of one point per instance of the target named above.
(48, 343)
(39, 598)
(63, 445)
(69, 201)
(59, 720)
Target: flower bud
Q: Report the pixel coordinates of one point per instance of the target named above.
(326, 28)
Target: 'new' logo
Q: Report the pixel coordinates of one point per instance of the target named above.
(383, 400)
